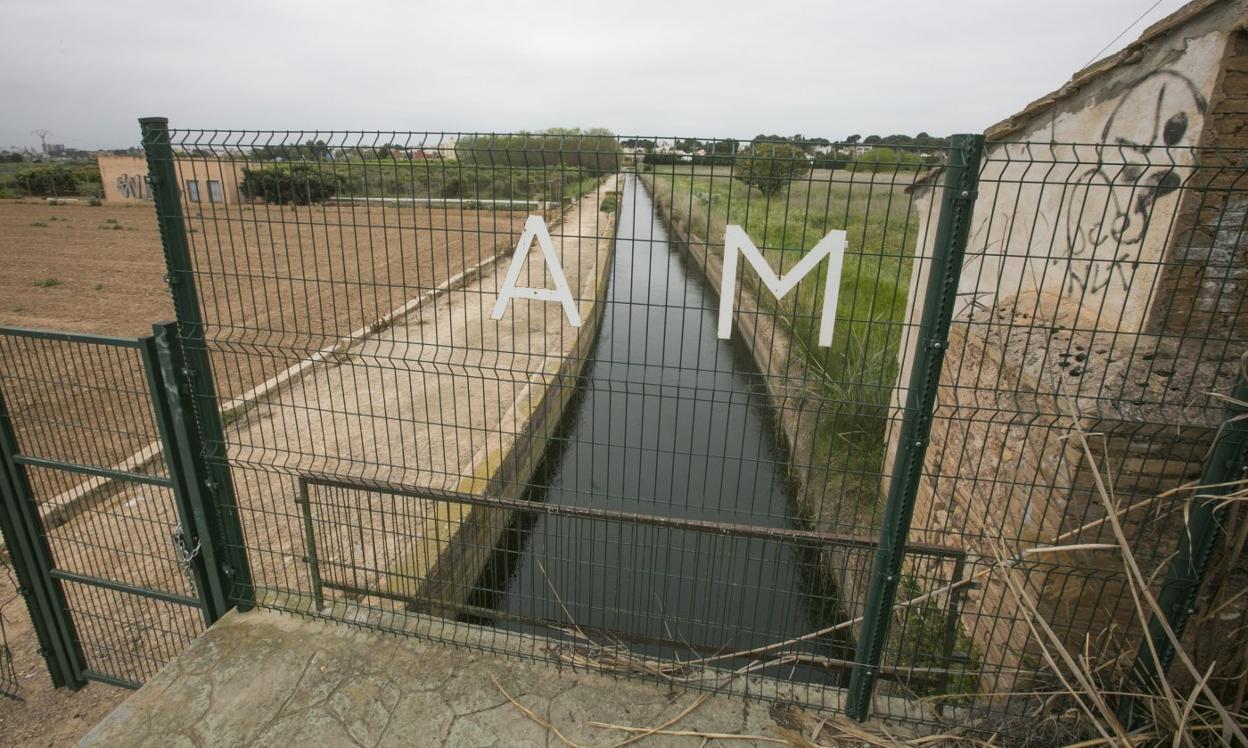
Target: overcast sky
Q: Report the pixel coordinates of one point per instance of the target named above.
(87, 70)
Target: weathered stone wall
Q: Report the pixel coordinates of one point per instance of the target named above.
(1103, 286)
(1209, 294)
(1204, 288)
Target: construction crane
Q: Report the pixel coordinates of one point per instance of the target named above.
(43, 139)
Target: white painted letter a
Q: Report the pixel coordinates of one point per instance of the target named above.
(535, 226)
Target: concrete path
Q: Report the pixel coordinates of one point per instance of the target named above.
(261, 678)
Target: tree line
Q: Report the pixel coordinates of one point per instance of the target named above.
(808, 145)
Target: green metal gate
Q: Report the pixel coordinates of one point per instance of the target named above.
(97, 474)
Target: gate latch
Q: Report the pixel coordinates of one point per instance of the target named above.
(184, 555)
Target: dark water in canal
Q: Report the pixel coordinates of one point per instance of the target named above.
(668, 421)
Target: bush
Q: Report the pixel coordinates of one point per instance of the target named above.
(668, 159)
(887, 159)
(770, 167)
(833, 160)
(47, 180)
(298, 184)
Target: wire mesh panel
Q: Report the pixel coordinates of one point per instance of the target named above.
(80, 400)
(90, 464)
(493, 377)
(10, 687)
(127, 638)
(1099, 326)
(642, 397)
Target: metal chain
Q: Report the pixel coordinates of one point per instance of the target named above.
(185, 557)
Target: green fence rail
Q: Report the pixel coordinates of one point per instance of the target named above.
(961, 181)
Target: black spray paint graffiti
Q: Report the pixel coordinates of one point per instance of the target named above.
(133, 187)
(1109, 207)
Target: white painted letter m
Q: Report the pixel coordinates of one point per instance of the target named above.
(737, 242)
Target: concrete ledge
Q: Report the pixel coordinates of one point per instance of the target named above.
(262, 678)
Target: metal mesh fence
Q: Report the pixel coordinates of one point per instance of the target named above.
(79, 402)
(637, 487)
(638, 409)
(91, 465)
(10, 687)
(1098, 329)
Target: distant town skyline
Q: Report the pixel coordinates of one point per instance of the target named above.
(702, 69)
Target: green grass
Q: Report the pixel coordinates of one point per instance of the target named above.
(919, 636)
(47, 283)
(39, 224)
(858, 371)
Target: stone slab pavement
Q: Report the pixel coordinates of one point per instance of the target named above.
(263, 678)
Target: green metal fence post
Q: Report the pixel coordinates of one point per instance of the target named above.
(224, 524)
(1226, 464)
(948, 247)
(171, 399)
(32, 563)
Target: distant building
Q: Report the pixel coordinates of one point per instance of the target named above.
(200, 181)
(445, 147)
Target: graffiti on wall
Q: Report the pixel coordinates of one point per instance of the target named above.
(1109, 207)
(132, 186)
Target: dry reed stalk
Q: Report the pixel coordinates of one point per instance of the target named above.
(1146, 600)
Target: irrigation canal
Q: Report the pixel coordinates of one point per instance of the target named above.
(669, 421)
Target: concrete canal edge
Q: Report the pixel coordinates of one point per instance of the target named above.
(293, 680)
(457, 540)
(795, 409)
